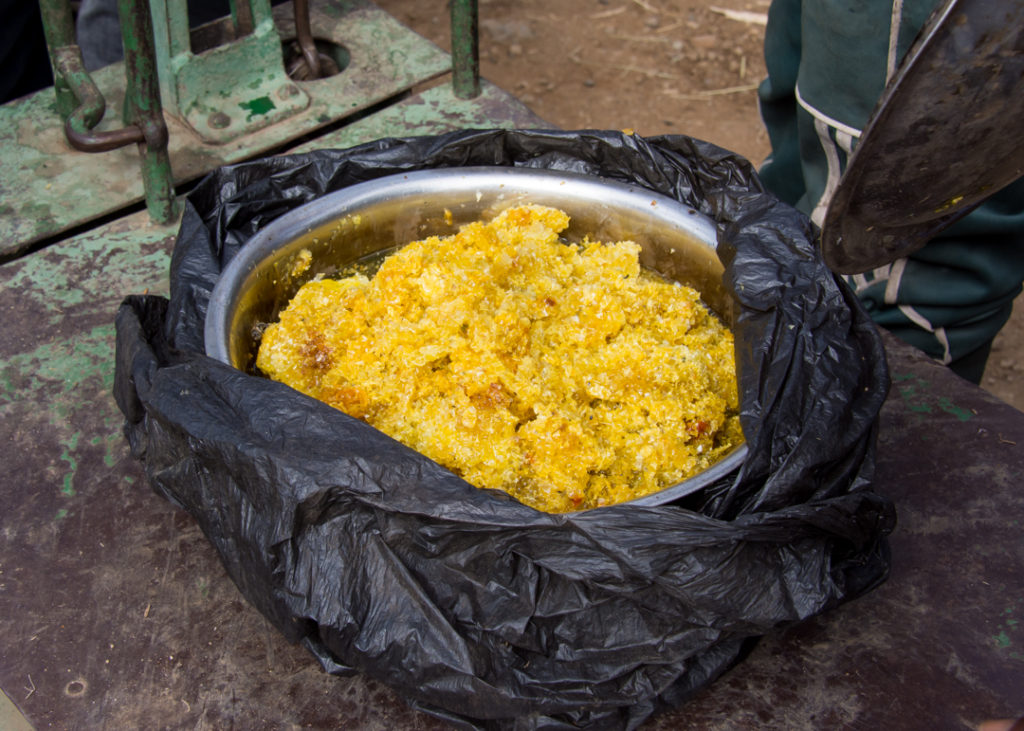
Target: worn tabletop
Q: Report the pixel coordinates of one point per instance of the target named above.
(116, 613)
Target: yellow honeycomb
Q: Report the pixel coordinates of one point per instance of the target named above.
(560, 373)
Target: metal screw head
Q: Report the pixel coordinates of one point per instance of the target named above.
(218, 120)
(287, 91)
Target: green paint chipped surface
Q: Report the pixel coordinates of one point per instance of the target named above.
(61, 367)
(258, 106)
(133, 255)
(949, 407)
(49, 188)
(59, 350)
(68, 488)
(1007, 638)
(433, 111)
(917, 397)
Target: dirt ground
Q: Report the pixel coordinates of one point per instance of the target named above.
(656, 67)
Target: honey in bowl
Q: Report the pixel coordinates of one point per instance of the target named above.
(563, 374)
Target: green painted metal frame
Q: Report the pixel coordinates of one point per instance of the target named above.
(59, 28)
(465, 48)
(233, 89)
(143, 109)
(48, 187)
(81, 105)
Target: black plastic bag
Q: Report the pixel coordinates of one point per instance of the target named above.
(475, 607)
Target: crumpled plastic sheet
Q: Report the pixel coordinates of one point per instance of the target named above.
(472, 606)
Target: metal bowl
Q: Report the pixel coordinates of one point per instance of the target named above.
(362, 220)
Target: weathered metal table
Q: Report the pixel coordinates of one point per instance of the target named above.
(116, 613)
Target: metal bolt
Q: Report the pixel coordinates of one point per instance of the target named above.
(287, 91)
(218, 120)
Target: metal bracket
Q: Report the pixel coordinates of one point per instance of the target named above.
(230, 90)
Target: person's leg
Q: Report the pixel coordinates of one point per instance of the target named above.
(99, 33)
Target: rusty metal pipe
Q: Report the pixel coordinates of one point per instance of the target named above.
(143, 109)
(59, 29)
(90, 106)
(465, 49)
(304, 34)
(99, 141)
(58, 23)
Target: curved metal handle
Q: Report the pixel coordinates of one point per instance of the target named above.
(78, 127)
(304, 34)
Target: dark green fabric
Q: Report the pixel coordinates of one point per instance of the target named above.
(781, 171)
(845, 48)
(834, 52)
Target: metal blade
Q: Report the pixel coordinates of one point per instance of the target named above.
(947, 133)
